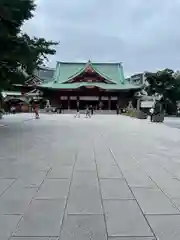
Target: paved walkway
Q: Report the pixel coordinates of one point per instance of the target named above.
(109, 177)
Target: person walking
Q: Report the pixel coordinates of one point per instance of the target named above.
(151, 114)
(178, 112)
(88, 114)
(91, 110)
(61, 108)
(36, 110)
(13, 109)
(48, 106)
(77, 111)
(117, 109)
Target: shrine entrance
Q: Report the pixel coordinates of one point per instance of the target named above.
(85, 101)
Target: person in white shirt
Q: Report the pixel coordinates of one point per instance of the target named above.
(151, 113)
(13, 109)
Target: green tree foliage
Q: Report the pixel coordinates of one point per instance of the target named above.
(164, 83)
(177, 86)
(39, 48)
(17, 50)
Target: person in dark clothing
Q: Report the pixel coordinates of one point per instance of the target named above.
(77, 111)
(61, 108)
(117, 109)
(151, 114)
(91, 109)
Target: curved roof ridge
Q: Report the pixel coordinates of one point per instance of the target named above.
(84, 68)
(102, 74)
(75, 74)
(84, 62)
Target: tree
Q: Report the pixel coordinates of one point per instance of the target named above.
(19, 52)
(39, 48)
(165, 84)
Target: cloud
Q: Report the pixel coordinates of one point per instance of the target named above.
(142, 34)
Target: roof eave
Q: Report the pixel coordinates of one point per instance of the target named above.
(118, 88)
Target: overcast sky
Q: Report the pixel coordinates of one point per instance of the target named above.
(143, 34)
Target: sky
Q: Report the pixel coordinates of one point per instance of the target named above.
(144, 35)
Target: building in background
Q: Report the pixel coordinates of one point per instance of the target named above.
(45, 74)
(21, 101)
(73, 84)
(137, 79)
(40, 76)
(101, 85)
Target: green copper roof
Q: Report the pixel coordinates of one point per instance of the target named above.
(112, 72)
(45, 74)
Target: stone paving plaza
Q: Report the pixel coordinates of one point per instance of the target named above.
(109, 177)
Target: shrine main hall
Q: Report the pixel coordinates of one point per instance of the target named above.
(101, 85)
